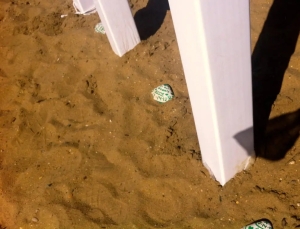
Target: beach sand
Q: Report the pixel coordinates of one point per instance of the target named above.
(84, 145)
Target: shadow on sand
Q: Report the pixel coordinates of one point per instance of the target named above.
(270, 59)
(149, 19)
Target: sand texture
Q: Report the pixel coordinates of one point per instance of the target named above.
(83, 145)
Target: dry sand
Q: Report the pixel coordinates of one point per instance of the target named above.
(84, 145)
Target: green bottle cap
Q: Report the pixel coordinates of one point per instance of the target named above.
(99, 28)
(163, 93)
(262, 224)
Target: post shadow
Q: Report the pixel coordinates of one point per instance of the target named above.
(149, 19)
(280, 136)
(270, 59)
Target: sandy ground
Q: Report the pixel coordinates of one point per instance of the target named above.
(84, 145)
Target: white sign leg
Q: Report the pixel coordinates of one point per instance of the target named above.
(214, 43)
(119, 25)
(84, 6)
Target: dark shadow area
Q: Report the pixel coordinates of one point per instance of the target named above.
(245, 139)
(281, 134)
(149, 19)
(270, 59)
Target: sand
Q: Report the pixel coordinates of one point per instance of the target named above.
(84, 145)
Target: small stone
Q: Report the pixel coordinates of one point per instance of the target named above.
(34, 219)
(292, 162)
(284, 222)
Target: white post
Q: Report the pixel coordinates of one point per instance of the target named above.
(84, 6)
(119, 24)
(214, 43)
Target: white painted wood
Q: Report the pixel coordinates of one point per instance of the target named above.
(84, 6)
(119, 24)
(214, 43)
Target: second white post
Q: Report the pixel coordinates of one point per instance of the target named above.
(214, 42)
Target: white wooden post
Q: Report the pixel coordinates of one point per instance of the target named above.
(84, 6)
(119, 24)
(214, 43)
